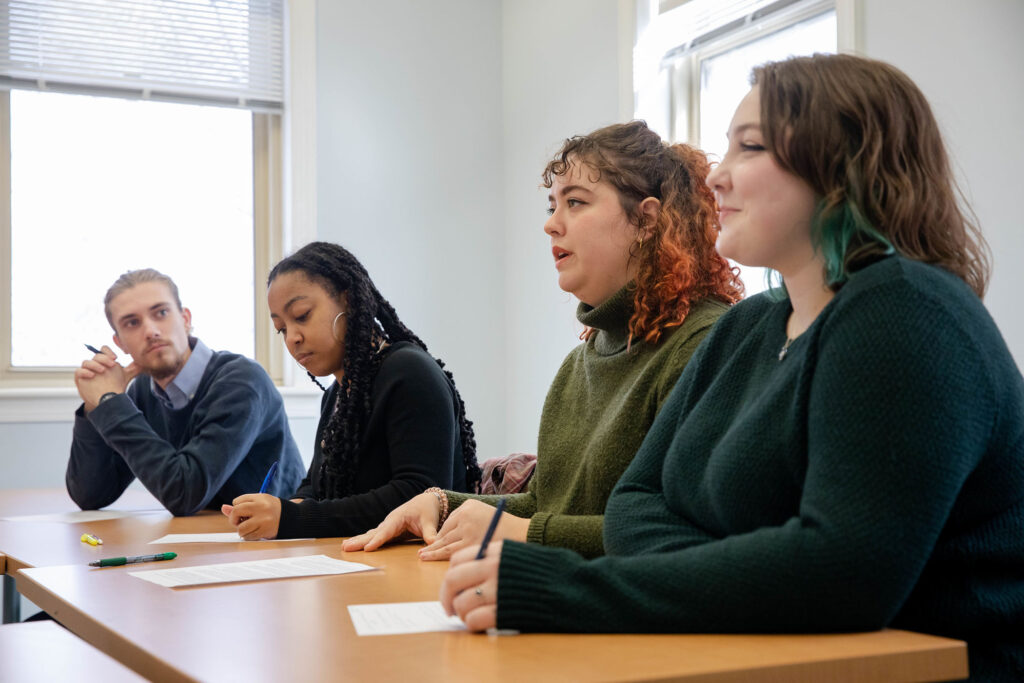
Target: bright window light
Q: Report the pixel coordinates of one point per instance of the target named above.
(100, 186)
(725, 79)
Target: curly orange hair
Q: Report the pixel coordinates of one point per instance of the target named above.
(677, 263)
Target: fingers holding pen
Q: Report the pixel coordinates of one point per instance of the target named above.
(101, 360)
(83, 373)
(94, 366)
(255, 515)
(236, 512)
(106, 356)
(470, 588)
(103, 371)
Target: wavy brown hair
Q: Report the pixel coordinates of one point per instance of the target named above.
(863, 136)
(677, 264)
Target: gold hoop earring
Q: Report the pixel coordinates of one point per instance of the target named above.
(640, 240)
(334, 324)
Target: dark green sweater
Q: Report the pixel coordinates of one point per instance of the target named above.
(874, 477)
(601, 404)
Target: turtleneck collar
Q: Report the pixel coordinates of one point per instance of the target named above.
(610, 319)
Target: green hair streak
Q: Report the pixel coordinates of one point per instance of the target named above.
(834, 233)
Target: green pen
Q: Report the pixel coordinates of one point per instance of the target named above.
(118, 561)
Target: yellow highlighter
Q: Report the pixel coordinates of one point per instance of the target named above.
(91, 540)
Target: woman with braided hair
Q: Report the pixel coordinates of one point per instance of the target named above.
(391, 425)
(632, 227)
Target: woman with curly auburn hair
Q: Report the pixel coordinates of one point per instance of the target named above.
(632, 228)
(846, 455)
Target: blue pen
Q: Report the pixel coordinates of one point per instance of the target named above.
(269, 478)
(92, 348)
(490, 529)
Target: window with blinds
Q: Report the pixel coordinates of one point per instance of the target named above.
(204, 51)
(138, 133)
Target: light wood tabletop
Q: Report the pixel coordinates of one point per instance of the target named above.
(300, 628)
(26, 502)
(45, 652)
(40, 544)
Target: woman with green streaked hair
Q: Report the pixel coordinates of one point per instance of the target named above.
(844, 455)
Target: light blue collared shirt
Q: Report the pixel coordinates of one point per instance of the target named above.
(182, 388)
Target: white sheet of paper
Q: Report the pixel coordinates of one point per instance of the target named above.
(82, 516)
(278, 568)
(225, 537)
(393, 618)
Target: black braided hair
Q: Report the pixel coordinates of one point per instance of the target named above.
(371, 322)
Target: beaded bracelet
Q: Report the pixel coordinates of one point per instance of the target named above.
(442, 501)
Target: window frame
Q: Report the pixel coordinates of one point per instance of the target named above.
(682, 73)
(672, 100)
(685, 72)
(267, 249)
(294, 204)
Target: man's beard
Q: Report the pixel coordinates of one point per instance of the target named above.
(165, 369)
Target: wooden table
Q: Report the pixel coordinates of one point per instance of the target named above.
(22, 502)
(300, 628)
(44, 652)
(18, 544)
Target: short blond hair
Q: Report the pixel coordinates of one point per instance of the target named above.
(133, 278)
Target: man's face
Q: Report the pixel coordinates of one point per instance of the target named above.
(150, 328)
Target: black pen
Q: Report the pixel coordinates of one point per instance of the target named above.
(118, 561)
(490, 529)
(92, 348)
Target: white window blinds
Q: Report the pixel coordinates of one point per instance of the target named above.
(227, 52)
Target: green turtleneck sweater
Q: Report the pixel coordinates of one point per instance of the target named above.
(603, 400)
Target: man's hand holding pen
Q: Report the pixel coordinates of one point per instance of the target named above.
(101, 375)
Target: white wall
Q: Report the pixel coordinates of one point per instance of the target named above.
(968, 58)
(35, 454)
(434, 121)
(560, 66)
(410, 175)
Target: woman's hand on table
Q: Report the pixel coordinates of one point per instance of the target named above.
(467, 526)
(418, 517)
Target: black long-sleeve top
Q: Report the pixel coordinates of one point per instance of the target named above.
(411, 442)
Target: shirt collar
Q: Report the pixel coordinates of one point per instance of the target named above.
(182, 388)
